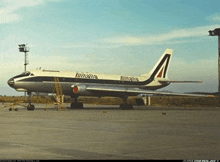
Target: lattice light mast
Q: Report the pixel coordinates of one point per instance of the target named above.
(25, 49)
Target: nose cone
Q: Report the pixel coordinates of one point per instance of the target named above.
(11, 82)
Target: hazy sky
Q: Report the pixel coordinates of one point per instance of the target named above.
(124, 37)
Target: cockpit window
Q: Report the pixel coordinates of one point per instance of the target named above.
(27, 73)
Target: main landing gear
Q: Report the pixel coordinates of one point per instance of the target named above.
(76, 104)
(30, 106)
(125, 105)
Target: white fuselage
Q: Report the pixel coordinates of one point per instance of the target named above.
(83, 84)
(43, 81)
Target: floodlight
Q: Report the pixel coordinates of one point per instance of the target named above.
(25, 49)
(214, 32)
(211, 33)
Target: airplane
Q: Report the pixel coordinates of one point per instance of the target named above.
(77, 84)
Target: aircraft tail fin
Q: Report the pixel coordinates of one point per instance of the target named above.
(160, 70)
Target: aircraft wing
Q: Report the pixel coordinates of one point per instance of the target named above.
(174, 81)
(137, 91)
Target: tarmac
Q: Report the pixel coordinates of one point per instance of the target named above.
(106, 132)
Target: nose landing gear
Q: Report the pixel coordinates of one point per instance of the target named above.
(30, 106)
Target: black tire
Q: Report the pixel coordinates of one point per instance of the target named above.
(30, 107)
(73, 105)
(10, 109)
(126, 106)
(121, 106)
(80, 105)
(76, 105)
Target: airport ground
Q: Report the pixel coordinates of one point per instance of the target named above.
(154, 100)
(106, 132)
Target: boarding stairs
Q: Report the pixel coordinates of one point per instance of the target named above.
(59, 94)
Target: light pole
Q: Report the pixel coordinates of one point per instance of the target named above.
(216, 32)
(25, 49)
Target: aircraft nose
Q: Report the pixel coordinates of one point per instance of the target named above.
(11, 82)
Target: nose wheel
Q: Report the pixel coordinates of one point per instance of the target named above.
(30, 107)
